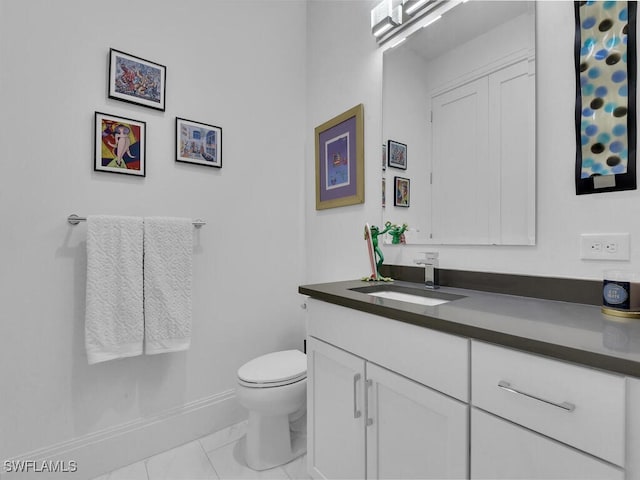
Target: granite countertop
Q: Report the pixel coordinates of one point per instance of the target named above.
(568, 331)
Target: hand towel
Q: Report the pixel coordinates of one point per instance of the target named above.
(114, 322)
(168, 251)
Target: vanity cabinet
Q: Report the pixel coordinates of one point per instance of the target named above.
(389, 399)
(368, 421)
(542, 402)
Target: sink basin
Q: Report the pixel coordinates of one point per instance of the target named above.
(407, 297)
(409, 294)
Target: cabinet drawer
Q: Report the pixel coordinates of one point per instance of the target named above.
(435, 359)
(576, 405)
(502, 450)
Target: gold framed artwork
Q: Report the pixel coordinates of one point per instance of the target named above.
(340, 160)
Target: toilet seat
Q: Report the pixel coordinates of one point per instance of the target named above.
(274, 369)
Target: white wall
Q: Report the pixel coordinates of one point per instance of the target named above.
(236, 64)
(561, 215)
(344, 68)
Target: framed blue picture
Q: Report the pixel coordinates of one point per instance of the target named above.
(198, 143)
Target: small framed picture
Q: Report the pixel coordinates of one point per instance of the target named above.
(198, 143)
(120, 145)
(384, 157)
(397, 154)
(384, 192)
(401, 191)
(135, 80)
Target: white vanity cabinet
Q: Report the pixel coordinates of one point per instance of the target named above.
(539, 418)
(367, 421)
(389, 399)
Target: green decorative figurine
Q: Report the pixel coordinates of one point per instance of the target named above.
(396, 232)
(376, 258)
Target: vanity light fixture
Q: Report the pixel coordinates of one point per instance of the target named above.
(390, 17)
(385, 16)
(410, 7)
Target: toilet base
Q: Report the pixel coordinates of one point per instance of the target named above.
(269, 442)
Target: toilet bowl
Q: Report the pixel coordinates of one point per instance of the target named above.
(273, 388)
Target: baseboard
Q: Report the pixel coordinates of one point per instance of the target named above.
(112, 448)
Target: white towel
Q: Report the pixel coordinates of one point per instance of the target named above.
(168, 250)
(114, 322)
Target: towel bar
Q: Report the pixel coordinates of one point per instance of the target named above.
(74, 219)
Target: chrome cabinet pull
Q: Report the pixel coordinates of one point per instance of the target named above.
(356, 413)
(369, 419)
(570, 407)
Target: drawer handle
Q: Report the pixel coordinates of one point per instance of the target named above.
(569, 407)
(356, 413)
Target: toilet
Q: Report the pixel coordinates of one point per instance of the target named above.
(273, 387)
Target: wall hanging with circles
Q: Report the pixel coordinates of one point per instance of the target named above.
(605, 56)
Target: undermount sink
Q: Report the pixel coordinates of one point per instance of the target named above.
(408, 294)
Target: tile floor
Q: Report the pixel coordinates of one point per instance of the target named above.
(216, 456)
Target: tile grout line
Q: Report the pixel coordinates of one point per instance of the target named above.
(208, 459)
(145, 468)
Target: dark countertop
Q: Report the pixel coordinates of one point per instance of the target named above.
(568, 331)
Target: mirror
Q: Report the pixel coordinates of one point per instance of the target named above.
(459, 102)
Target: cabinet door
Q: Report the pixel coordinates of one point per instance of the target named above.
(503, 450)
(336, 412)
(413, 431)
(461, 179)
(512, 155)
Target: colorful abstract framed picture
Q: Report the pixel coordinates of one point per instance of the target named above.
(135, 80)
(339, 159)
(397, 154)
(198, 143)
(605, 114)
(401, 191)
(120, 145)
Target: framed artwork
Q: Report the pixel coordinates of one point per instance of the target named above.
(120, 145)
(401, 189)
(340, 160)
(384, 192)
(384, 157)
(198, 143)
(135, 80)
(397, 154)
(605, 111)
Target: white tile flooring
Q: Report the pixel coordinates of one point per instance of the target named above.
(216, 456)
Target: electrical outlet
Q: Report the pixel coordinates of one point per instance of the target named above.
(604, 246)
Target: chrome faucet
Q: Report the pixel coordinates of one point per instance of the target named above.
(430, 262)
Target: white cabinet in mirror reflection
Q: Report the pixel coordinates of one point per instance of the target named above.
(465, 106)
(483, 167)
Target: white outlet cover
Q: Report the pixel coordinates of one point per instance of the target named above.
(593, 246)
